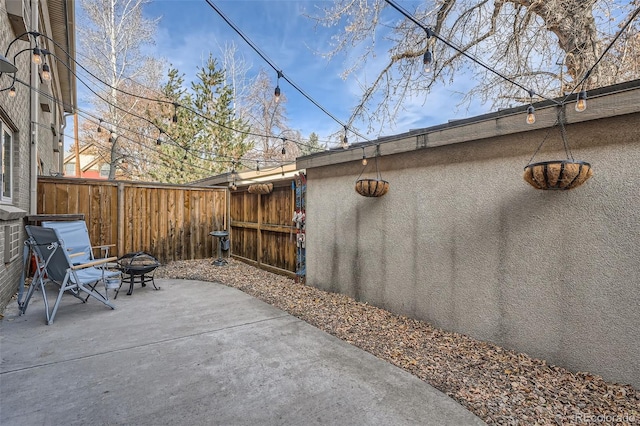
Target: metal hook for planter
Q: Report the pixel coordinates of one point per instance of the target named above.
(557, 174)
(372, 187)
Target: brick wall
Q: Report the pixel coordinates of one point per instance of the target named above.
(15, 113)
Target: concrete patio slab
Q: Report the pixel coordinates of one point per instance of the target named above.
(199, 353)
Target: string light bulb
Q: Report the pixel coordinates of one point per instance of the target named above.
(36, 57)
(46, 72)
(531, 116)
(427, 60)
(100, 126)
(12, 92)
(257, 167)
(364, 157)
(345, 141)
(159, 140)
(581, 101)
(276, 93)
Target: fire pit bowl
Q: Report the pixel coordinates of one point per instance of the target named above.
(137, 266)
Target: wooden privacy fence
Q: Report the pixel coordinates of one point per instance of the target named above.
(170, 222)
(262, 232)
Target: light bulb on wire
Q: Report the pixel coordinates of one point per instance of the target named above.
(345, 141)
(581, 101)
(46, 72)
(276, 93)
(531, 116)
(36, 57)
(364, 157)
(427, 60)
(12, 92)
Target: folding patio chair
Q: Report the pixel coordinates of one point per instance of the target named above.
(76, 239)
(53, 260)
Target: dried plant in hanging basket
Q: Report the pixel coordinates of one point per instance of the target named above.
(260, 188)
(557, 174)
(372, 187)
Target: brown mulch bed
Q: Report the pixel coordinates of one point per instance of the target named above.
(498, 385)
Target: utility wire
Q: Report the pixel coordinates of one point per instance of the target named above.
(98, 121)
(175, 104)
(617, 36)
(431, 33)
(277, 69)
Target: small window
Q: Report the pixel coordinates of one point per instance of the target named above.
(7, 164)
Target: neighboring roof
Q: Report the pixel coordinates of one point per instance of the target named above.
(272, 174)
(610, 101)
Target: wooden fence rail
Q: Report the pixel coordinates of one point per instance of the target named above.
(170, 222)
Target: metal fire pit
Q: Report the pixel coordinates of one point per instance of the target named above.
(137, 267)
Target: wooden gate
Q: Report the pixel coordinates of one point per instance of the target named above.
(171, 222)
(262, 232)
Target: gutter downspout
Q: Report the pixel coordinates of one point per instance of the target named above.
(33, 181)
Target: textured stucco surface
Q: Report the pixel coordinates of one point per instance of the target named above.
(463, 242)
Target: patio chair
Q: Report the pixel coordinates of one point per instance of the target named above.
(76, 239)
(53, 260)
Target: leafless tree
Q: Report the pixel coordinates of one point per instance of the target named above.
(267, 116)
(546, 46)
(112, 34)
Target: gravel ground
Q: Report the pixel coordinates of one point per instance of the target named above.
(498, 385)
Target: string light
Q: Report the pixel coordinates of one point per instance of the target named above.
(257, 167)
(12, 92)
(345, 141)
(427, 60)
(159, 140)
(100, 126)
(46, 72)
(276, 93)
(272, 65)
(531, 116)
(581, 101)
(36, 57)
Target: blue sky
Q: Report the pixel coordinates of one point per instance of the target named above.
(190, 29)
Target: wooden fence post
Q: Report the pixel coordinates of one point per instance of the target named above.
(120, 219)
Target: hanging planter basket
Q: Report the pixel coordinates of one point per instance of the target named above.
(557, 174)
(372, 187)
(260, 188)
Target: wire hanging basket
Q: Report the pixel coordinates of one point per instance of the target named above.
(260, 188)
(372, 187)
(557, 174)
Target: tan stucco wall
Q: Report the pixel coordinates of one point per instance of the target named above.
(463, 242)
